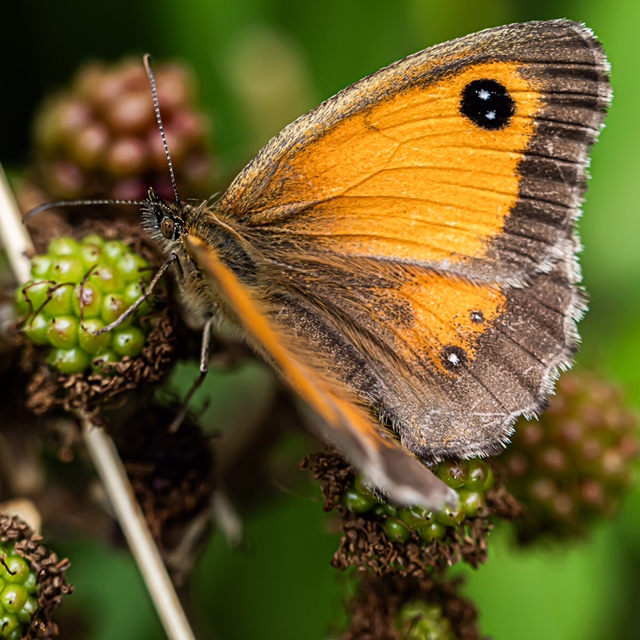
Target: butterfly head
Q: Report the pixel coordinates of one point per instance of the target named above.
(163, 220)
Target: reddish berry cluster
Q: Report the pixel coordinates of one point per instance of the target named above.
(576, 462)
(101, 135)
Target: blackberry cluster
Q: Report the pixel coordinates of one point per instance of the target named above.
(100, 136)
(576, 462)
(78, 288)
(32, 583)
(471, 479)
(422, 620)
(393, 607)
(411, 541)
(18, 593)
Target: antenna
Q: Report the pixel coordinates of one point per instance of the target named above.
(75, 203)
(156, 107)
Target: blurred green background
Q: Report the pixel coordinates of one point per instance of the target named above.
(260, 63)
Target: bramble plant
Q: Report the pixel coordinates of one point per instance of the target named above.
(98, 137)
(77, 289)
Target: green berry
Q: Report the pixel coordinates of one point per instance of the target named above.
(451, 516)
(8, 623)
(106, 278)
(37, 294)
(18, 593)
(128, 341)
(101, 362)
(67, 269)
(94, 238)
(424, 621)
(16, 634)
(472, 501)
(36, 330)
(41, 267)
(355, 502)
(90, 342)
(28, 609)
(22, 306)
(389, 509)
(433, 531)
(61, 302)
(91, 298)
(30, 583)
(129, 266)
(113, 306)
(396, 530)
(64, 247)
(132, 293)
(93, 281)
(15, 569)
(63, 332)
(416, 517)
(114, 250)
(480, 476)
(13, 597)
(361, 485)
(454, 473)
(69, 361)
(91, 254)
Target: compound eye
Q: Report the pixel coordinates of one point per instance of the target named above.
(167, 227)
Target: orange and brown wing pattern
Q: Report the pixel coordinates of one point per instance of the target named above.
(447, 362)
(417, 230)
(402, 477)
(392, 168)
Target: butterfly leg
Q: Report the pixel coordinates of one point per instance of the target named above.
(204, 369)
(123, 316)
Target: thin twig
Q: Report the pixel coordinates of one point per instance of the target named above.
(113, 475)
(13, 235)
(17, 243)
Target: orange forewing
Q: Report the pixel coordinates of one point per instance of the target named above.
(407, 179)
(381, 458)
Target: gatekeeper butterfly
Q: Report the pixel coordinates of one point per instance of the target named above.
(404, 255)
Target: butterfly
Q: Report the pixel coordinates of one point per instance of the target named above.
(404, 255)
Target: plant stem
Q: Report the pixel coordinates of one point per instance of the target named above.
(113, 475)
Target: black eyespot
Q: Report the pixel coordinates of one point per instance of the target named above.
(487, 104)
(453, 358)
(477, 317)
(167, 227)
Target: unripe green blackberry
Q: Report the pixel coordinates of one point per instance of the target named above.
(32, 583)
(78, 288)
(470, 479)
(411, 541)
(419, 620)
(576, 462)
(18, 593)
(396, 607)
(100, 136)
